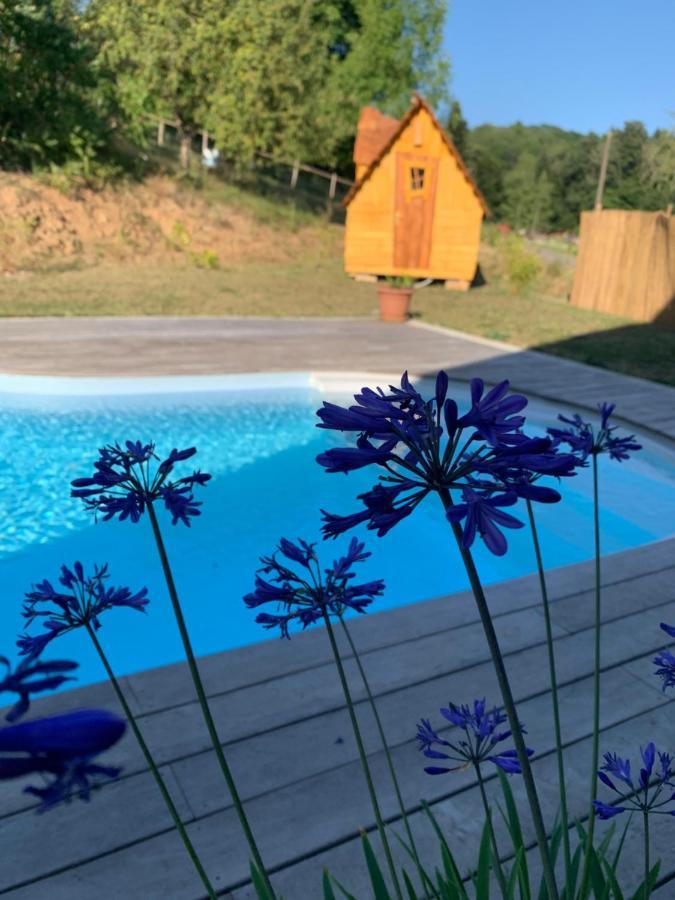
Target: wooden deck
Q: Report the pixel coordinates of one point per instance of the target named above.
(278, 705)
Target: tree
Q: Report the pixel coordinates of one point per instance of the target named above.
(272, 73)
(527, 194)
(658, 169)
(382, 51)
(166, 59)
(624, 186)
(458, 128)
(48, 109)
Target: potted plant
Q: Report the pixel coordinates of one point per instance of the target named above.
(394, 295)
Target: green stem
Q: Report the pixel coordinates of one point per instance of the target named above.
(387, 753)
(595, 752)
(509, 703)
(362, 753)
(493, 838)
(645, 820)
(203, 701)
(554, 693)
(145, 750)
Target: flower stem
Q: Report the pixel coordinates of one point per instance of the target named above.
(387, 753)
(203, 701)
(645, 820)
(554, 693)
(595, 752)
(509, 703)
(152, 765)
(493, 838)
(362, 754)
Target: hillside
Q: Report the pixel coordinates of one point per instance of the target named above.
(44, 227)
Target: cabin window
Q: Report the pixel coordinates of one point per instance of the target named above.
(416, 178)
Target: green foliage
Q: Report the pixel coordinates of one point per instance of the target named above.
(49, 109)
(381, 51)
(286, 77)
(458, 128)
(522, 267)
(399, 281)
(540, 178)
(164, 55)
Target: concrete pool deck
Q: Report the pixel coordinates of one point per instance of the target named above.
(277, 704)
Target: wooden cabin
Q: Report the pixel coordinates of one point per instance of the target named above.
(414, 209)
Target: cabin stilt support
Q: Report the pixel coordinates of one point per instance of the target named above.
(456, 284)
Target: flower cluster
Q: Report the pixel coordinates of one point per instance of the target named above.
(126, 481)
(483, 731)
(424, 446)
(586, 441)
(31, 676)
(646, 795)
(62, 749)
(665, 661)
(304, 595)
(81, 603)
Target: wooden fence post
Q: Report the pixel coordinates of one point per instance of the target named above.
(603, 171)
(331, 194)
(295, 173)
(205, 141)
(160, 133)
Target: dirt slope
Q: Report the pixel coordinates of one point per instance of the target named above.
(44, 227)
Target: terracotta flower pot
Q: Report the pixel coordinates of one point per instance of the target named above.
(394, 303)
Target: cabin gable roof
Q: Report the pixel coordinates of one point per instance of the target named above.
(419, 103)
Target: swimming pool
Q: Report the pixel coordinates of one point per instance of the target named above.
(257, 436)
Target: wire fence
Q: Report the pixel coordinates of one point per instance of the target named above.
(308, 187)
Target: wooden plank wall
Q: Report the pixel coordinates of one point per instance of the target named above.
(626, 264)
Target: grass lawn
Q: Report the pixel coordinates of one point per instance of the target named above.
(318, 287)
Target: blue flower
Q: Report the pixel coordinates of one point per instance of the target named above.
(424, 446)
(665, 668)
(585, 440)
(85, 598)
(483, 731)
(304, 597)
(483, 516)
(125, 482)
(32, 677)
(61, 748)
(647, 795)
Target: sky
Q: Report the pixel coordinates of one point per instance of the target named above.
(585, 65)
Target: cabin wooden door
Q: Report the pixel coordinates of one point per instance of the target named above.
(416, 177)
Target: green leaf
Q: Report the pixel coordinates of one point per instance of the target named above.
(516, 833)
(427, 882)
(328, 892)
(451, 870)
(380, 890)
(343, 889)
(515, 874)
(484, 861)
(650, 881)
(261, 889)
(412, 893)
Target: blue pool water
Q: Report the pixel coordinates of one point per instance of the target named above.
(260, 447)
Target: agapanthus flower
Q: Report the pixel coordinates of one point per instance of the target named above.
(32, 676)
(644, 793)
(586, 440)
(304, 595)
(62, 749)
(80, 601)
(483, 733)
(477, 462)
(129, 478)
(665, 661)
